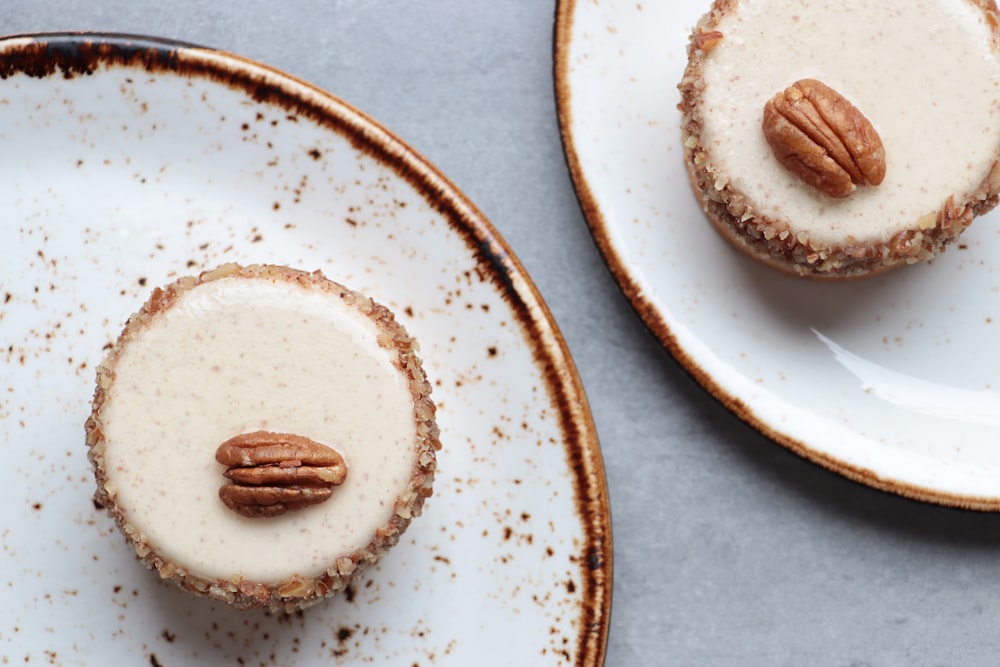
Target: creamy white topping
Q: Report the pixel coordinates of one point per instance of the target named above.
(235, 355)
(925, 72)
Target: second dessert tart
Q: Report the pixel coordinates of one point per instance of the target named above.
(838, 140)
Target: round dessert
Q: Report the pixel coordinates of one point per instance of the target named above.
(838, 140)
(262, 435)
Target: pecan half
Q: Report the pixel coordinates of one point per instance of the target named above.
(273, 473)
(821, 137)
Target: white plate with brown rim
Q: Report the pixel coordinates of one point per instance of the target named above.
(128, 162)
(890, 381)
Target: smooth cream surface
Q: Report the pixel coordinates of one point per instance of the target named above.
(925, 72)
(236, 355)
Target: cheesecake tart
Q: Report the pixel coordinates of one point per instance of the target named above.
(837, 140)
(262, 435)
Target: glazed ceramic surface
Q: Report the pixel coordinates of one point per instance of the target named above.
(893, 381)
(129, 162)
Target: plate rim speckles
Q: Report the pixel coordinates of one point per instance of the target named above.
(77, 54)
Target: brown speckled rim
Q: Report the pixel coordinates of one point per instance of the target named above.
(73, 54)
(654, 321)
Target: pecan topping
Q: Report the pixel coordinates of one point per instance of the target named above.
(273, 473)
(823, 139)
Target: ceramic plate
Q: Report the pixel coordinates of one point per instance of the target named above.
(893, 381)
(127, 162)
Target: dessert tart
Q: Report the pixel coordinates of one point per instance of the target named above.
(837, 140)
(262, 435)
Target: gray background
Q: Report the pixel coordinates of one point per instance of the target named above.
(728, 549)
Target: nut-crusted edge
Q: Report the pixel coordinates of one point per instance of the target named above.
(297, 592)
(771, 240)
